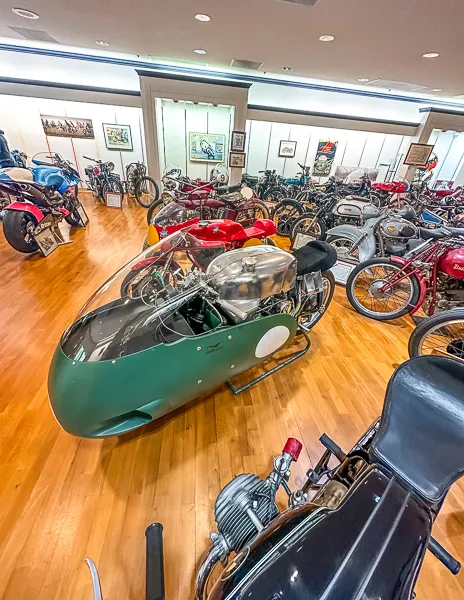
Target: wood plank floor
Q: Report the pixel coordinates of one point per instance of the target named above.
(63, 498)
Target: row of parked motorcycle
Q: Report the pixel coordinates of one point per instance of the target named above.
(39, 198)
(217, 297)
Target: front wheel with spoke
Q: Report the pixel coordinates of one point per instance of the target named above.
(442, 335)
(310, 226)
(284, 216)
(345, 248)
(376, 289)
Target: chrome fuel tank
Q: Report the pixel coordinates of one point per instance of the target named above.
(246, 276)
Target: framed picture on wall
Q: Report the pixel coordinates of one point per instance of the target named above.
(237, 159)
(237, 143)
(287, 149)
(67, 127)
(207, 147)
(117, 137)
(418, 155)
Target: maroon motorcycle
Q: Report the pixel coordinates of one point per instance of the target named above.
(430, 277)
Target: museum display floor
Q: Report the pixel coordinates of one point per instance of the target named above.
(64, 498)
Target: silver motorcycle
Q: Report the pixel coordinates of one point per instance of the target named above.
(383, 233)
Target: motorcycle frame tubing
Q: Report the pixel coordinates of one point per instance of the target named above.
(427, 255)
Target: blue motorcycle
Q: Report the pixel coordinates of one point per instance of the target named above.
(46, 191)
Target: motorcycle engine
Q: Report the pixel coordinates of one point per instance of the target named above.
(242, 508)
(450, 294)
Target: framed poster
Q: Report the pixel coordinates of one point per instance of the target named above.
(237, 143)
(117, 137)
(67, 127)
(237, 159)
(287, 149)
(207, 147)
(418, 155)
(325, 156)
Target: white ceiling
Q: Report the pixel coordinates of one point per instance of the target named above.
(374, 38)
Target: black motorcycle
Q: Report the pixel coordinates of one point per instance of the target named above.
(267, 187)
(356, 531)
(102, 180)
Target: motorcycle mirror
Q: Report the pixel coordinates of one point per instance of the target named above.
(247, 193)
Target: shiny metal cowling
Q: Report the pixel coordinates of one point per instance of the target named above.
(246, 276)
(396, 227)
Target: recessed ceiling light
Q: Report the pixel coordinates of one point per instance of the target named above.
(200, 51)
(431, 55)
(363, 79)
(27, 14)
(287, 68)
(436, 90)
(202, 17)
(102, 43)
(327, 38)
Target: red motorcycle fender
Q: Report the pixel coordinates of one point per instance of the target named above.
(421, 280)
(32, 209)
(267, 226)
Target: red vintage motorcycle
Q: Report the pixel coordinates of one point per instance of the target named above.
(213, 202)
(430, 277)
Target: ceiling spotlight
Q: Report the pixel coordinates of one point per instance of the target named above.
(327, 38)
(102, 43)
(199, 51)
(27, 14)
(287, 68)
(436, 90)
(430, 55)
(363, 79)
(203, 18)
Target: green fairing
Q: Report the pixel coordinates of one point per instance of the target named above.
(98, 399)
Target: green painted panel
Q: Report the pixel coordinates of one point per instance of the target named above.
(96, 399)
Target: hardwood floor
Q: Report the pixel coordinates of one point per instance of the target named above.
(63, 498)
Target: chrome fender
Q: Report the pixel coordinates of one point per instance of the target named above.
(358, 235)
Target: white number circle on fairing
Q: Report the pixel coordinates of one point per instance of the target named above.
(272, 340)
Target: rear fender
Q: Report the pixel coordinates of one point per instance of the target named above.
(422, 284)
(32, 209)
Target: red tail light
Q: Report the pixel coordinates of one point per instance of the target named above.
(293, 447)
(96, 170)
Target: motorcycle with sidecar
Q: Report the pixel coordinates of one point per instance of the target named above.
(355, 531)
(184, 301)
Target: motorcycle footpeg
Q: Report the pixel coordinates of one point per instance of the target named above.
(332, 447)
(155, 568)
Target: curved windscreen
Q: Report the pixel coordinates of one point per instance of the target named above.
(154, 299)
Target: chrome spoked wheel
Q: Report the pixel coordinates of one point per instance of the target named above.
(344, 248)
(441, 335)
(372, 292)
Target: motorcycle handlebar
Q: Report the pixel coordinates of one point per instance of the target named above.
(154, 562)
(92, 159)
(444, 556)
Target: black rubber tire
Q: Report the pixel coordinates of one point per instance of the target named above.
(14, 223)
(74, 218)
(113, 185)
(275, 194)
(294, 207)
(329, 276)
(320, 225)
(138, 191)
(429, 323)
(154, 208)
(258, 204)
(380, 316)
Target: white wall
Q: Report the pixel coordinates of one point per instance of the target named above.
(20, 119)
(355, 148)
(175, 120)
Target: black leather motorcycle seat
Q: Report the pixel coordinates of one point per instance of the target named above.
(250, 178)
(421, 433)
(370, 547)
(228, 189)
(432, 234)
(315, 256)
